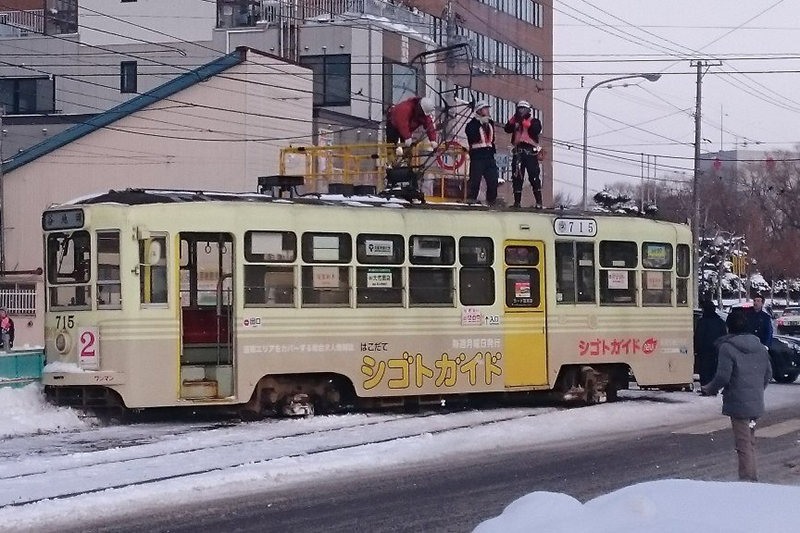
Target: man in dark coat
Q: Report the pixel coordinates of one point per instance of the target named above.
(709, 329)
(482, 165)
(743, 372)
(760, 322)
(525, 130)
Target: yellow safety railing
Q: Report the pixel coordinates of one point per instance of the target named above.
(444, 179)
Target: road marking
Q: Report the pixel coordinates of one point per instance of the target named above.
(777, 430)
(705, 428)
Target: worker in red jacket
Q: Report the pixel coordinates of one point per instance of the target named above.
(404, 118)
(525, 130)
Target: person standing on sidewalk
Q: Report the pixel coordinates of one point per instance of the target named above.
(743, 372)
(482, 165)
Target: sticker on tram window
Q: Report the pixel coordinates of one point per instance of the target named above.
(575, 227)
(89, 348)
(522, 289)
(471, 316)
(64, 219)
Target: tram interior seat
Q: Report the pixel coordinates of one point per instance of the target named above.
(201, 337)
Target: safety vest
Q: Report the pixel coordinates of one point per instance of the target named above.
(486, 139)
(521, 135)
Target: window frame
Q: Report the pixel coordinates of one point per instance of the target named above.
(249, 257)
(320, 65)
(398, 249)
(605, 268)
(576, 272)
(100, 282)
(15, 91)
(681, 280)
(347, 245)
(129, 77)
(140, 268)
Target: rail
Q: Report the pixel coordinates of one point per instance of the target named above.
(29, 19)
(366, 164)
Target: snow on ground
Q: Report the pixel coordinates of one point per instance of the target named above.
(666, 506)
(195, 466)
(24, 411)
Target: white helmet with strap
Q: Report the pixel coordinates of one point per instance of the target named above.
(427, 105)
(523, 104)
(483, 104)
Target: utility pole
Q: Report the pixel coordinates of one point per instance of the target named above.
(449, 85)
(698, 137)
(2, 199)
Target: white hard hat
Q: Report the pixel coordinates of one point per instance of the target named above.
(523, 103)
(481, 105)
(427, 105)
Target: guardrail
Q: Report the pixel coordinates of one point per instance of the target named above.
(21, 367)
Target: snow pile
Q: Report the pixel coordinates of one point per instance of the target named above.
(25, 411)
(656, 507)
(65, 368)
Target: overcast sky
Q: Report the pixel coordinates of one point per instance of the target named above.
(741, 104)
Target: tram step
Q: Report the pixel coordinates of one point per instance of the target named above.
(199, 388)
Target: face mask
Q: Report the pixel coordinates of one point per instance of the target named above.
(484, 119)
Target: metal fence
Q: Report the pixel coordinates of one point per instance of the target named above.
(29, 19)
(19, 301)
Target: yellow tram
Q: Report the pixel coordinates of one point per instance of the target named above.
(295, 305)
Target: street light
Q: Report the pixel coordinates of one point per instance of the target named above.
(648, 77)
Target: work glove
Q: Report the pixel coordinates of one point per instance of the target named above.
(399, 150)
(434, 145)
(408, 141)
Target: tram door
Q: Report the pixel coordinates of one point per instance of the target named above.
(525, 343)
(207, 322)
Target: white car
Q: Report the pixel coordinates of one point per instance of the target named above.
(789, 322)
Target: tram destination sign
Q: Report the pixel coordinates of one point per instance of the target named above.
(575, 227)
(63, 219)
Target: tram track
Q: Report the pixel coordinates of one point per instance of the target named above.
(31, 478)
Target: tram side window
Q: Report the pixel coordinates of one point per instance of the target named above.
(683, 260)
(476, 277)
(431, 283)
(575, 279)
(153, 270)
(109, 284)
(269, 285)
(618, 262)
(326, 285)
(69, 270)
(657, 273)
(380, 285)
(523, 285)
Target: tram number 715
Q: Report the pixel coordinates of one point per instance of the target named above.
(65, 321)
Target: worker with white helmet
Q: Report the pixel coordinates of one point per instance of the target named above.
(525, 130)
(404, 118)
(482, 165)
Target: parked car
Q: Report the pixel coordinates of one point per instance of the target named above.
(789, 322)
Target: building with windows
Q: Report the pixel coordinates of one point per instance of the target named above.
(212, 128)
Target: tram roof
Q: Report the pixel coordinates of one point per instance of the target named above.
(136, 197)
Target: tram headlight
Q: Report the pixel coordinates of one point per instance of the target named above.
(63, 342)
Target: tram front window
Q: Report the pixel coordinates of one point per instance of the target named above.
(69, 270)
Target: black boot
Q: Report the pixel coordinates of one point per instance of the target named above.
(517, 198)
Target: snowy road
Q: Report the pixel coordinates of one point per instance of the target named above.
(94, 474)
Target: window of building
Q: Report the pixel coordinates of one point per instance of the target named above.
(575, 278)
(618, 261)
(109, 283)
(25, 96)
(128, 77)
(476, 277)
(403, 82)
(153, 279)
(331, 78)
(683, 260)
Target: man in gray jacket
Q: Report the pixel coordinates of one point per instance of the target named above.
(743, 372)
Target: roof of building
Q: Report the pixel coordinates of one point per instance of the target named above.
(106, 118)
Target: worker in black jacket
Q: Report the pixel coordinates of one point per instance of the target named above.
(482, 165)
(525, 130)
